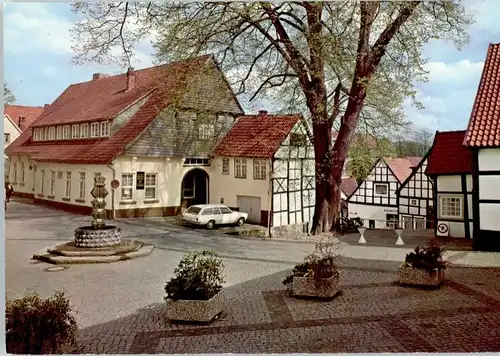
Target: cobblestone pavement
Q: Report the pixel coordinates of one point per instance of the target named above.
(120, 308)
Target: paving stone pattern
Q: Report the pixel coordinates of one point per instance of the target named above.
(373, 314)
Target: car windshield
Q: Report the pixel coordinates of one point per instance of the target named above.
(193, 210)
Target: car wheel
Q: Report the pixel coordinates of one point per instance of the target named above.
(240, 221)
(210, 224)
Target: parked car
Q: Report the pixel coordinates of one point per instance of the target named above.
(213, 214)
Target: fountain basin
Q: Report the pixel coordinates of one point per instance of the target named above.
(89, 237)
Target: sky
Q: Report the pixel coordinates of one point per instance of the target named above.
(38, 68)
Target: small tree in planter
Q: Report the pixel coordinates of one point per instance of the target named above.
(318, 275)
(193, 295)
(424, 266)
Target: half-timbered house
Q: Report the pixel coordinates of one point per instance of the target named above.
(375, 200)
(264, 166)
(450, 169)
(415, 199)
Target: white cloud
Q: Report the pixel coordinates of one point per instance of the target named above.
(458, 72)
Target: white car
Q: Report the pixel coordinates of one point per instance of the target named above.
(213, 214)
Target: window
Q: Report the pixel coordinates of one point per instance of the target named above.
(67, 191)
(419, 223)
(259, 169)
(84, 130)
(15, 172)
(52, 182)
(150, 186)
(188, 187)
(46, 133)
(6, 137)
(81, 179)
(206, 131)
(94, 129)
(225, 166)
(450, 206)
(42, 180)
(66, 132)
(225, 210)
(207, 211)
(22, 172)
(59, 133)
(381, 189)
(413, 202)
(75, 131)
(297, 140)
(407, 222)
(392, 221)
(240, 168)
(104, 129)
(35, 135)
(196, 161)
(193, 210)
(52, 133)
(127, 186)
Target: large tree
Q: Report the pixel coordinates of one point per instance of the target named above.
(8, 96)
(348, 64)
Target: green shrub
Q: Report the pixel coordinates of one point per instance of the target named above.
(40, 326)
(197, 277)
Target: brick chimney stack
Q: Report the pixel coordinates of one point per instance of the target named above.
(130, 79)
(262, 112)
(21, 121)
(45, 106)
(97, 76)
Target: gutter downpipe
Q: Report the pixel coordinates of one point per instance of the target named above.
(110, 166)
(270, 194)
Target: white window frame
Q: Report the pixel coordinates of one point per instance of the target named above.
(81, 185)
(52, 182)
(52, 133)
(75, 131)
(59, 132)
(42, 181)
(393, 223)
(225, 165)
(442, 205)
(206, 131)
(94, 129)
(148, 185)
(259, 169)
(386, 185)
(22, 172)
(66, 132)
(6, 136)
(240, 168)
(84, 130)
(126, 176)
(45, 133)
(104, 129)
(67, 185)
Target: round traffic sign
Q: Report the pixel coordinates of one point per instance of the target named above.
(442, 228)
(115, 183)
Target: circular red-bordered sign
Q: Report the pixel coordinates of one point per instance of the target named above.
(115, 183)
(442, 228)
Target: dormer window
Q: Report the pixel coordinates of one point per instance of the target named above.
(84, 130)
(75, 131)
(66, 132)
(46, 134)
(52, 133)
(59, 134)
(94, 129)
(104, 129)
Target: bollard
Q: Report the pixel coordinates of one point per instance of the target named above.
(362, 238)
(399, 241)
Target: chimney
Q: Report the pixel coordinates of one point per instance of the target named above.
(21, 121)
(262, 112)
(130, 79)
(45, 106)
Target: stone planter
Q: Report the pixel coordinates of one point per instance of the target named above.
(308, 287)
(421, 277)
(202, 311)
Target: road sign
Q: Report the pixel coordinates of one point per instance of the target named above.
(115, 183)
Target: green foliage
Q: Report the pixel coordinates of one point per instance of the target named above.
(40, 326)
(429, 257)
(320, 264)
(8, 96)
(198, 276)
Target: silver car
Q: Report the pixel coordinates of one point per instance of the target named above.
(213, 214)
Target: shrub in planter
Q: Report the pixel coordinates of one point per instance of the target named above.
(318, 275)
(424, 266)
(194, 293)
(40, 326)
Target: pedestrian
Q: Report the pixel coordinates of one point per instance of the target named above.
(8, 190)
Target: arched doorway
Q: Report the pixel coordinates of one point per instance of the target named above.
(194, 188)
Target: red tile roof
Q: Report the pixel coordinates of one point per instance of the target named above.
(16, 112)
(484, 123)
(256, 136)
(348, 186)
(401, 167)
(105, 98)
(448, 155)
